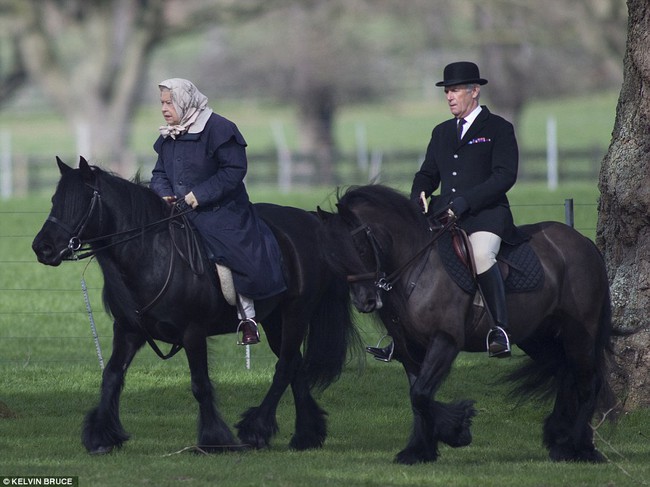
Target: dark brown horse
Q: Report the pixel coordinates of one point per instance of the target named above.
(390, 253)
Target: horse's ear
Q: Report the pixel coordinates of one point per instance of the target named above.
(322, 214)
(63, 167)
(83, 163)
(86, 171)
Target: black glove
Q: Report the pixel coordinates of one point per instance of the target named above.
(459, 206)
(182, 206)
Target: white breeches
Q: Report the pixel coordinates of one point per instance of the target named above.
(248, 307)
(485, 247)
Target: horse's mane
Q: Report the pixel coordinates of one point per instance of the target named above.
(140, 202)
(133, 205)
(386, 201)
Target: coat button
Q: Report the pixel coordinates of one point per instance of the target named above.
(455, 156)
(453, 190)
(454, 173)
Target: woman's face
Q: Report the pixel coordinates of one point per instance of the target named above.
(168, 110)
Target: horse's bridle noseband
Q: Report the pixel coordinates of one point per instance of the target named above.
(75, 243)
(378, 276)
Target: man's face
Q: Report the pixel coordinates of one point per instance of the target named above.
(462, 99)
(168, 110)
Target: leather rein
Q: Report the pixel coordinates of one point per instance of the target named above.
(77, 244)
(381, 280)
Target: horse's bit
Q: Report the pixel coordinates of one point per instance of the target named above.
(378, 276)
(75, 243)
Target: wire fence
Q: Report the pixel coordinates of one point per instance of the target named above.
(44, 318)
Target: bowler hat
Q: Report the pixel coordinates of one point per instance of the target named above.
(460, 73)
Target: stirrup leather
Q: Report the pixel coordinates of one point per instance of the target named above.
(489, 337)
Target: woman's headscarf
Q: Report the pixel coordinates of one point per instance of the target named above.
(191, 106)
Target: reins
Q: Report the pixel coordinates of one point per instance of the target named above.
(193, 257)
(381, 280)
(76, 243)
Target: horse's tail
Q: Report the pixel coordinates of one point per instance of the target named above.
(607, 400)
(331, 335)
(537, 379)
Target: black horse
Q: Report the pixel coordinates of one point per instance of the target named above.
(158, 286)
(391, 254)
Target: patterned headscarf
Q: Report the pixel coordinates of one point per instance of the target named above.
(191, 106)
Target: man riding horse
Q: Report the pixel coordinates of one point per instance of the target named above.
(473, 159)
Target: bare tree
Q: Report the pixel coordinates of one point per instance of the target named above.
(624, 214)
(316, 56)
(90, 57)
(15, 76)
(542, 49)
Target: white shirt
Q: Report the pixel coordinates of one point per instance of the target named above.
(469, 119)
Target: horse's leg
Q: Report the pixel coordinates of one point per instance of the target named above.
(434, 421)
(214, 434)
(453, 420)
(311, 425)
(259, 424)
(102, 429)
(567, 430)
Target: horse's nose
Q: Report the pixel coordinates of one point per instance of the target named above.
(368, 303)
(45, 252)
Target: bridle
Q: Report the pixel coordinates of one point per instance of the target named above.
(77, 243)
(381, 280)
(378, 276)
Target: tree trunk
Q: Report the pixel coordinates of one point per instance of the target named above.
(95, 92)
(316, 120)
(623, 232)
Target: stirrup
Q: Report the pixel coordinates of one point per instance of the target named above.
(239, 327)
(502, 353)
(383, 354)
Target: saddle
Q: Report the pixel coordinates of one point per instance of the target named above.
(227, 284)
(519, 264)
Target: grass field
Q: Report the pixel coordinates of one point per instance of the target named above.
(49, 378)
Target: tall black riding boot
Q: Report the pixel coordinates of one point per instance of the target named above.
(491, 283)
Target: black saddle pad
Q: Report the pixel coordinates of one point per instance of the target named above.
(525, 270)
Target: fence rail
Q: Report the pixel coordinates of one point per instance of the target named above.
(34, 304)
(23, 174)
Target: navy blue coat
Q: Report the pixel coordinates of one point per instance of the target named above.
(481, 168)
(212, 164)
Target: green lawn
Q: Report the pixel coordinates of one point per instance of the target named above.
(50, 377)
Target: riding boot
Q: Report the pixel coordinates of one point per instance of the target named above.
(384, 354)
(250, 333)
(491, 284)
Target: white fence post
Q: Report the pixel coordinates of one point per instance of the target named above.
(284, 157)
(84, 146)
(375, 166)
(6, 170)
(551, 154)
(362, 147)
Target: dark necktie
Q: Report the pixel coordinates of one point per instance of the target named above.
(459, 128)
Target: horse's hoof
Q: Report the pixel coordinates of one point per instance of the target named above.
(101, 450)
(204, 449)
(410, 457)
